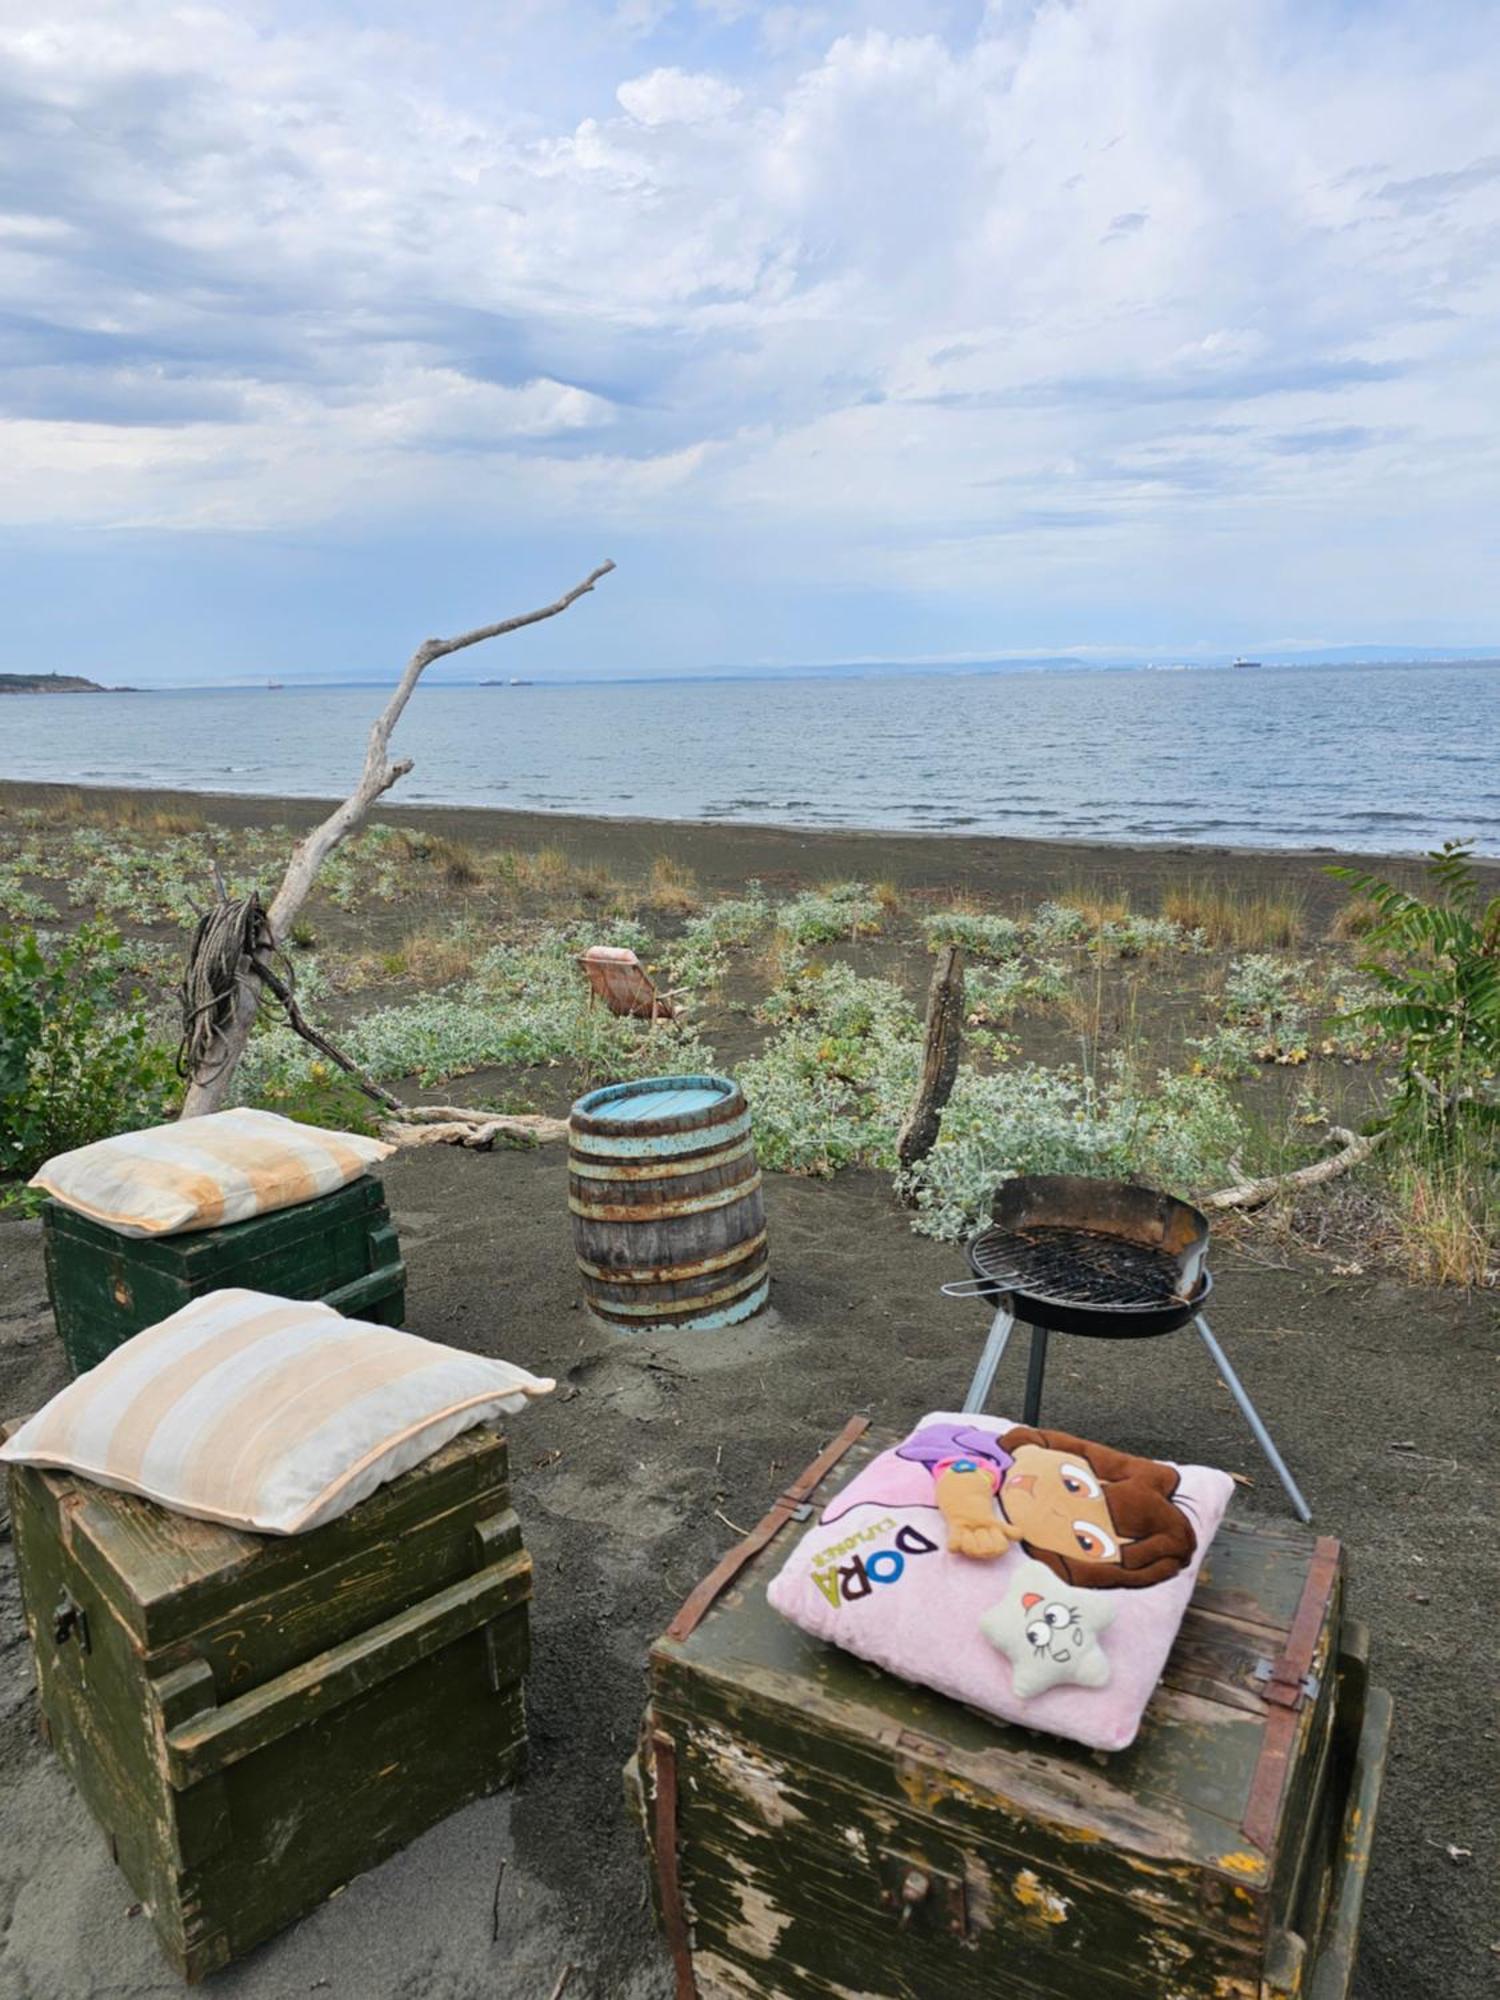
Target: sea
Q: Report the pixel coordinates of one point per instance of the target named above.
(1382, 759)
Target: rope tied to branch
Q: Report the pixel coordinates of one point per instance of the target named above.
(232, 940)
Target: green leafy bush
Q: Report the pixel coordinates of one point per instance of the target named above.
(1437, 967)
(74, 1066)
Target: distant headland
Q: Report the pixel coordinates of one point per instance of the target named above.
(56, 684)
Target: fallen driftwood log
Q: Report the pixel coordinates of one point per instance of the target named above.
(1256, 1193)
(449, 1125)
(227, 1014)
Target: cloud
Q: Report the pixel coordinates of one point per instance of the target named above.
(1124, 225)
(1430, 191)
(675, 97)
(879, 296)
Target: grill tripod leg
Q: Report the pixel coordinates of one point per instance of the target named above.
(1252, 1417)
(1036, 1368)
(989, 1361)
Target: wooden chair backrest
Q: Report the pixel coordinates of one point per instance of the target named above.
(617, 977)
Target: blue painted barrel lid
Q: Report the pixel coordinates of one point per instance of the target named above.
(655, 1097)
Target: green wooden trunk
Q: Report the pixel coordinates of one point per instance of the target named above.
(822, 1831)
(340, 1248)
(255, 1719)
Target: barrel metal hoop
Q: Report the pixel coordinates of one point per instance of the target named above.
(657, 1145)
(697, 1321)
(661, 1170)
(663, 1210)
(705, 1302)
(653, 1274)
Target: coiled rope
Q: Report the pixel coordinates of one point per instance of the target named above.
(233, 946)
(229, 946)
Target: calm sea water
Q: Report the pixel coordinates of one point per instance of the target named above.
(1386, 759)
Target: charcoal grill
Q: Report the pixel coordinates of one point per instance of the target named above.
(1105, 1259)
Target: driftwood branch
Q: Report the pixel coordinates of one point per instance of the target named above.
(940, 1050)
(1255, 1193)
(478, 1130)
(208, 1092)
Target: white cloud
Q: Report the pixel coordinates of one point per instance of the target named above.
(676, 97)
(1094, 298)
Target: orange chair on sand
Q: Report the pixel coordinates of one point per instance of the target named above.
(617, 977)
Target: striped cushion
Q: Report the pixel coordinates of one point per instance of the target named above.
(265, 1413)
(203, 1171)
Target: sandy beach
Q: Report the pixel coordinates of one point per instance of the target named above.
(658, 1449)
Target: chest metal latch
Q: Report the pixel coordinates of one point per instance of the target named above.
(69, 1621)
(920, 1896)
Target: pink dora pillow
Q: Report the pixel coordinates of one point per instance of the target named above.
(1066, 1626)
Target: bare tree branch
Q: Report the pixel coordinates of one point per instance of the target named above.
(208, 1093)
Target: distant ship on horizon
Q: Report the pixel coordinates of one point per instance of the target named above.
(1241, 663)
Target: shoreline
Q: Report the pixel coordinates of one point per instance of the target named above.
(728, 852)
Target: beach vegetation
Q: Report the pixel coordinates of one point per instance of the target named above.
(523, 1004)
(78, 1060)
(1173, 1131)
(983, 935)
(1444, 1201)
(1265, 997)
(1098, 906)
(833, 1082)
(1436, 964)
(994, 994)
(1054, 924)
(672, 888)
(1236, 919)
(824, 916)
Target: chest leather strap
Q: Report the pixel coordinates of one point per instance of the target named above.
(1286, 1696)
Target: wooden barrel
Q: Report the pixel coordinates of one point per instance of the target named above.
(668, 1221)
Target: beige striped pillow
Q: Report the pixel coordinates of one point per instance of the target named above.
(266, 1413)
(200, 1172)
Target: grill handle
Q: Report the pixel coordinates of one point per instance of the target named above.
(969, 1288)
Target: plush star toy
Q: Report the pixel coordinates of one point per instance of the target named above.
(1049, 1630)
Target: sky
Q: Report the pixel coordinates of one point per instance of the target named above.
(900, 330)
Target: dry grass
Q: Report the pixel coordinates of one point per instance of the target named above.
(137, 814)
(1235, 919)
(888, 896)
(672, 889)
(433, 958)
(1095, 904)
(1358, 916)
(460, 865)
(1446, 1222)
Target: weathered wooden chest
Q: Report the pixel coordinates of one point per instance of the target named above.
(340, 1248)
(253, 1720)
(821, 1831)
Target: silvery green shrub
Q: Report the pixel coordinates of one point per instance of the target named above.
(1178, 1135)
(991, 937)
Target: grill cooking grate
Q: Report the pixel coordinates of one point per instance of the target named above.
(1078, 1267)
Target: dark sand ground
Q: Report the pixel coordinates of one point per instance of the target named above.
(627, 1498)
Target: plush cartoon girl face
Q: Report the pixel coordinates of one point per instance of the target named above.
(1092, 1515)
(1058, 1503)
